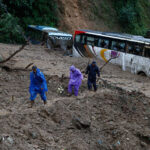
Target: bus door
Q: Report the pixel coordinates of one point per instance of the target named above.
(78, 46)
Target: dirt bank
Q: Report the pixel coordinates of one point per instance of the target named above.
(87, 14)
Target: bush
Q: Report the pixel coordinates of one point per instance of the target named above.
(10, 31)
(21, 14)
(131, 16)
(40, 12)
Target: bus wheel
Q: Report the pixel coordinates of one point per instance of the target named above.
(141, 73)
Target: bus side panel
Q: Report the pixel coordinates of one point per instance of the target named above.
(132, 63)
(140, 64)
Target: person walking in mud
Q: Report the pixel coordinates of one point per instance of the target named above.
(75, 81)
(38, 85)
(92, 70)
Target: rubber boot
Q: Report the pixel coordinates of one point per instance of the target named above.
(32, 103)
(45, 102)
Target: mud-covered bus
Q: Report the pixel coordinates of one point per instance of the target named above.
(52, 37)
(131, 52)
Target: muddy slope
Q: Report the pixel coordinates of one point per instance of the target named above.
(87, 14)
(115, 117)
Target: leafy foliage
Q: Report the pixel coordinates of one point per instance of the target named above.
(42, 12)
(25, 12)
(10, 31)
(132, 16)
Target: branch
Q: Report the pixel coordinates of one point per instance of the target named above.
(8, 69)
(16, 52)
(29, 65)
(108, 62)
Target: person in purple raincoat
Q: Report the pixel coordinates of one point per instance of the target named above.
(75, 81)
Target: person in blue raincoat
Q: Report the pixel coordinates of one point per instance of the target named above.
(38, 85)
(75, 81)
(92, 70)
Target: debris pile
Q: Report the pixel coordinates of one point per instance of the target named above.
(109, 119)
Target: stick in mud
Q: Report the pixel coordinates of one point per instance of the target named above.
(108, 62)
(16, 52)
(29, 65)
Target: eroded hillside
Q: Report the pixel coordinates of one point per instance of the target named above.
(87, 14)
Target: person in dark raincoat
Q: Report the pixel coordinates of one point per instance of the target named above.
(38, 85)
(92, 70)
(75, 81)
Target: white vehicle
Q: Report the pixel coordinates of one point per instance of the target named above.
(131, 52)
(52, 37)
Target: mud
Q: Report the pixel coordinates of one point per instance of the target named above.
(116, 117)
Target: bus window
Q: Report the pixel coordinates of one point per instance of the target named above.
(104, 43)
(78, 38)
(130, 48)
(84, 39)
(90, 40)
(147, 52)
(118, 46)
(96, 40)
(136, 49)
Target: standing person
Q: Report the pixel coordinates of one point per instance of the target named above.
(92, 70)
(38, 85)
(75, 81)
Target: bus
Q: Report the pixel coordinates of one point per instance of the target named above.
(36, 33)
(129, 51)
(52, 37)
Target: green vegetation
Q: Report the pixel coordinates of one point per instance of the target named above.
(10, 30)
(16, 15)
(133, 15)
(130, 16)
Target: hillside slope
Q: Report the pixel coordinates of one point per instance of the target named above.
(87, 14)
(115, 16)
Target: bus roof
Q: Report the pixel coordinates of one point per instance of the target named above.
(42, 28)
(121, 36)
(59, 34)
(52, 32)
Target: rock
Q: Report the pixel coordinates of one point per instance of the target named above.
(117, 145)
(143, 144)
(145, 103)
(80, 123)
(100, 142)
(56, 140)
(1, 58)
(33, 135)
(6, 92)
(10, 140)
(102, 145)
(1, 138)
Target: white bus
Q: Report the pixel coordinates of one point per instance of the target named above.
(131, 52)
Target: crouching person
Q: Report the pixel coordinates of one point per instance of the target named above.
(75, 81)
(38, 85)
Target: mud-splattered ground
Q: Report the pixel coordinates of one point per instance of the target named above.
(117, 116)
